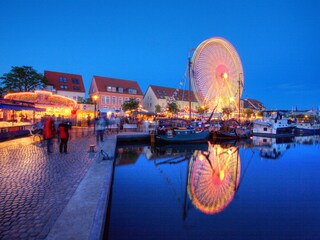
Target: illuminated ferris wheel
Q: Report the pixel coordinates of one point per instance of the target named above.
(216, 74)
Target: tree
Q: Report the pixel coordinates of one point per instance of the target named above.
(227, 111)
(248, 112)
(22, 79)
(202, 110)
(172, 107)
(131, 105)
(157, 108)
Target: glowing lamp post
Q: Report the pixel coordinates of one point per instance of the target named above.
(95, 97)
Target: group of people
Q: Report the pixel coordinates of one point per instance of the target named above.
(52, 127)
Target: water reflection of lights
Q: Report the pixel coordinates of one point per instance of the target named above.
(213, 178)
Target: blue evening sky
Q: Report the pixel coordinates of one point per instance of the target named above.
(148, 41)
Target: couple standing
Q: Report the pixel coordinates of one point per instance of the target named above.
(49, 133)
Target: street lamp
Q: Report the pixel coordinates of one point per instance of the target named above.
(95, 97)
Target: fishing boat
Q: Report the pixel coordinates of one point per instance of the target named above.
(307, 123)
(183, 136)
(273, 124)
(307, 128)
(230, 129)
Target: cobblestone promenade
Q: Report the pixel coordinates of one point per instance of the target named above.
(35, 187)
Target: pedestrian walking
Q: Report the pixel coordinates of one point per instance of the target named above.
(48, 132)
(100, 127)
(64, 136)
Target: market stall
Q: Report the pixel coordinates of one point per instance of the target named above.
(54, 105)
(16, 117)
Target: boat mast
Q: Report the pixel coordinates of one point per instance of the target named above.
(189, 73)
(239, 97)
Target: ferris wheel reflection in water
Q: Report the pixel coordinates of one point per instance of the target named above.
(213, 178)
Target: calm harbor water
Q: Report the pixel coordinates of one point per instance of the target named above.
(259, 189)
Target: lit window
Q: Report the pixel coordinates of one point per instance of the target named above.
(109, 88)
(114, 89)
(63, 86)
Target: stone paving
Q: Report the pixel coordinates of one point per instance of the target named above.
(35, 187)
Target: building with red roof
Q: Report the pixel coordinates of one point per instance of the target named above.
(112, 92)
(66, 84)
(157, 95)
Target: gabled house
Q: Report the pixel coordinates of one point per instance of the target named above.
(253, 104)
(66, 84)
(156, 95)
(112, 92)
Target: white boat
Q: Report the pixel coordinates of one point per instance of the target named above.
(273, 124)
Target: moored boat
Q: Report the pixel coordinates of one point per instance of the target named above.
(307, 128)
(230, 129)
(273, 124)
(183, 136)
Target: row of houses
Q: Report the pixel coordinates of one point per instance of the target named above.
(111, 93)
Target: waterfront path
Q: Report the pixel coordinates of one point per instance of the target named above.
(56, 196)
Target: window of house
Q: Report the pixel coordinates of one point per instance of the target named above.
(103, 99)
(132, 91)
(114, 99)
(63, 86)
(138, 99)
(120, 90)
(75, 80)
(107, 99)
(120, 100)
(126, 99)
(62, 79)
(76, 88)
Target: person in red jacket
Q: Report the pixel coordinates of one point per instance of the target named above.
(48, 132)
(64, 136)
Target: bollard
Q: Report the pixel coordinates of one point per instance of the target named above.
(91, 148)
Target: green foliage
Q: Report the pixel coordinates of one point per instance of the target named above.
(248, 112)
(259, 114)
(131, 105)
(227, 111)
(22, 79)
(172, 107)
(157, 108)
(202, 109)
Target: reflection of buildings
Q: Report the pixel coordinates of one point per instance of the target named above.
(128, 155)
(310, 140)
(214, 178)
(271, 148)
